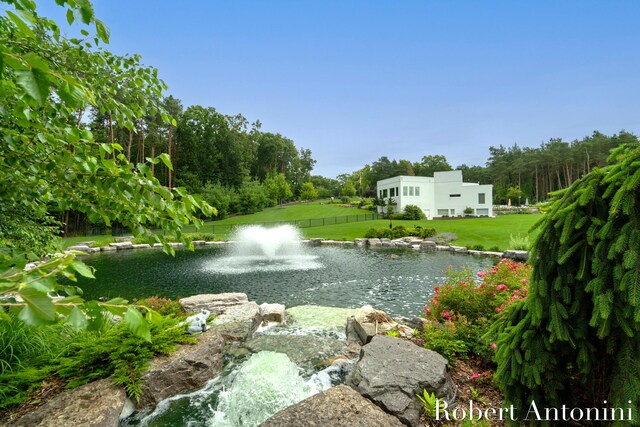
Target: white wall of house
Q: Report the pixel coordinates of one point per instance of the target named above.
(443, 195)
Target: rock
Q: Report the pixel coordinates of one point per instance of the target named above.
(81, 248)
(391, 371)
(516, 255)
(215, 303)
(123, 239)
(370, 322)
(239, 322)
(317, 241)
(415, 322)
(107, 249)
(339, 406)
(492, 254)
(373, 241)
(360, 242)
(97, 404)
(121, 245)
(184, 370)
(141, 246)
(198, 242)
(350, 331)
(443, 248)
(272, 312)
(89, 243)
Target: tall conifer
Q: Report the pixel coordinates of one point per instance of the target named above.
(576, 339)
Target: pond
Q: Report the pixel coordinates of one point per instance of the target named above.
(396, 281)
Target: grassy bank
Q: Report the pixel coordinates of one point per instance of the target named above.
(488, 232)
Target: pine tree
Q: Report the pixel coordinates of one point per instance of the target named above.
(575, 340)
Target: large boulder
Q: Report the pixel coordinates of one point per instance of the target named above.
(239, 322)
(339, 406)
(184, 370)
(215, 303)
(97, 404)
(516, 255)
(392, 371)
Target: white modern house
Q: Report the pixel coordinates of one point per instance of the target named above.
(443, 195)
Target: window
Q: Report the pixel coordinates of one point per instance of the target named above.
(454, 195)
(481, 199)
(392, 192)
(452, 212)
(404, 190)
(397, 191)
(411, 191)
(482, 212)
(384, 193)
(443, 212)
(381, 194)
(417, 191)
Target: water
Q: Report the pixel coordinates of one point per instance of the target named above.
(347, 278)
(253, 388)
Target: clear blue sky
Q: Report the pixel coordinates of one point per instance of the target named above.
(356, 80)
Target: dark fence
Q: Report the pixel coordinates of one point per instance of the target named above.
(215, 227)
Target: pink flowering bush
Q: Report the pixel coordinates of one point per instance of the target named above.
(462, 295)
(466, 305)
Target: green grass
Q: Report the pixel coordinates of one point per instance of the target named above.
(488, 232)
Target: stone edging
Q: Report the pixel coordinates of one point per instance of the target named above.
(405, 242)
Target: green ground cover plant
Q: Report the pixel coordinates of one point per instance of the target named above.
(32, 354)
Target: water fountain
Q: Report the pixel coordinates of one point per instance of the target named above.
(261, 249)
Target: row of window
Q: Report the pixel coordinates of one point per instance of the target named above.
(406, 191)
(452, 212)
(415, 191)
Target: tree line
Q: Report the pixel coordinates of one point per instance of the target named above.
(517, 173)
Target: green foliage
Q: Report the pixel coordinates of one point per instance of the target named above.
(467, 308)
(348, 190)
(392, 333)
(399, 231)
(51, 162)
(252, 197)
(519, 243)
(278, 188)
(164, 306)
(118, 353)
(396, 216)
(468, 211)
(580, 324)
(444, 339)
(432, 405)
(413, 212)
(220, 196)
(308, 192)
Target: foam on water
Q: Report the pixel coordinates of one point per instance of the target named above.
(260, 249)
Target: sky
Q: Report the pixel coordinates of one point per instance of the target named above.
(356, 80)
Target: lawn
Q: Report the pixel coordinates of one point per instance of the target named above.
(488, 232)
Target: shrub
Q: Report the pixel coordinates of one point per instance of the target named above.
(396, 216)
(442, 339)
(399, 231)
(468, 211)
(468, 308)
(164, 306)
(118, 353)
(477, 248)
(519, 243)
(413, 212)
